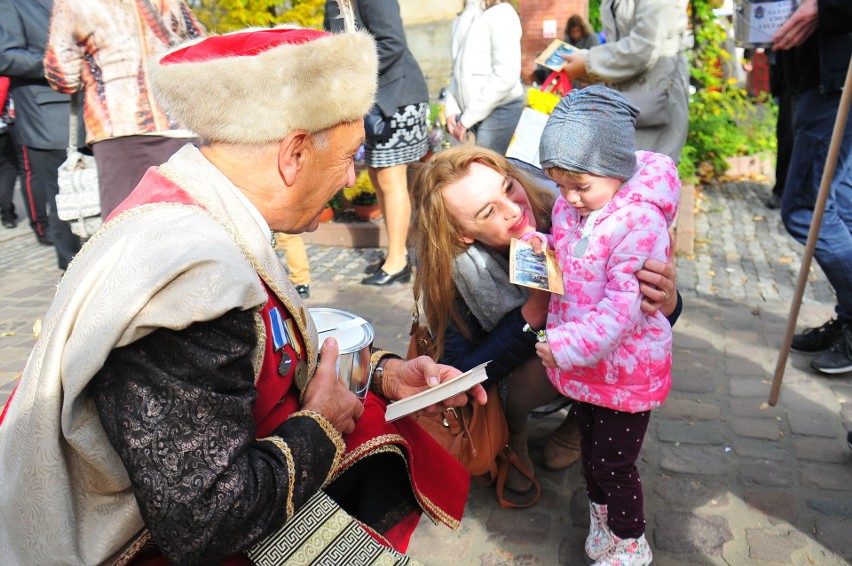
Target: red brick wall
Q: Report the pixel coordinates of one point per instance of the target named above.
(533, 13)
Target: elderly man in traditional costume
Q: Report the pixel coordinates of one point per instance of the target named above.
(174, 408)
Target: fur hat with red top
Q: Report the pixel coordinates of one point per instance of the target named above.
(257, 85)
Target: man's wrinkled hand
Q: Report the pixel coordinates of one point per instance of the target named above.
(403, 379)
(801, 25)
(327, 396)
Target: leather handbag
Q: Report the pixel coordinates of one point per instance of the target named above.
(78, 201)
(475, 435)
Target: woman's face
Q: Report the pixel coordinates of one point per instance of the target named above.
(575, 33)
(489, 207)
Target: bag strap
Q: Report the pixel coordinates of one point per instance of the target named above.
(508, 457)
(72, 124)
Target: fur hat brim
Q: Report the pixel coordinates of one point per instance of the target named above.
(261, 97)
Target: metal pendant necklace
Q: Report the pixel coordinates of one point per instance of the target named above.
(583, 243)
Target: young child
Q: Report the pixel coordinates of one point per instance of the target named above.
(602, 351)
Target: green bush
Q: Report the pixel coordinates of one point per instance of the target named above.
(724, 121)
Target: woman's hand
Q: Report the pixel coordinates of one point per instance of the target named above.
(455, 127)
(658, 285)
(401, 379)
(575, 65)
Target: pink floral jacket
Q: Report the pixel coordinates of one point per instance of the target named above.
(609, 352)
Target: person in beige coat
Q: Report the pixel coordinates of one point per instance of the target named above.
(644, 59)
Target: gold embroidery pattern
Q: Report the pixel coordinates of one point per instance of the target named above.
(291, 468)
(332, 433)
(129, 553)
(260, 351)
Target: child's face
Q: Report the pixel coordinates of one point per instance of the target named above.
(585, 192)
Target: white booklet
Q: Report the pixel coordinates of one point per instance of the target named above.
(436, 394)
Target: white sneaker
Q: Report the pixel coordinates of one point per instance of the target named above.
(600, 537)
(627, 552)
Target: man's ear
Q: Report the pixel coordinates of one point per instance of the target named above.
(293, 154)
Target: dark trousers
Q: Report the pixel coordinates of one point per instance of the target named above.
(43, 165)
(122, 162)
(9, 163)
(814, 116)
(610, 442)
(35, 197)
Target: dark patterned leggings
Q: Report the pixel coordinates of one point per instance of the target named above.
(610, 442)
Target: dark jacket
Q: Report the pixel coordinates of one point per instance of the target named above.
(41, 113)
(401, 81)
(823, 59)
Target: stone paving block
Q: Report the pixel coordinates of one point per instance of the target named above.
(767, 429)
(777, 505)
(700, 460)
(688, 433)
(497, 558)
(841, 508)
(842, 391)
(756, 407)
(687, 533)
(735, 364)
(773, 547)
(690, 339)
(685, 382)
(690, 409)
(809, 395)
(823, 450)
(571, 547)
(530, 527)
(834, 533)
(811, 424)
(579, 510)
(749, 386)
(765, 473)
(436, 544)
(759, 449)
(690, 493)
(827, 476)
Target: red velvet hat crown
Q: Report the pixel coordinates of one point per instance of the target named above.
(257, 85)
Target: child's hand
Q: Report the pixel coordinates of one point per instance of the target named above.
(546, 354)
(537, 240)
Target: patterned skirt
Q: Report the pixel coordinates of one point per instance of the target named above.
(409, 140)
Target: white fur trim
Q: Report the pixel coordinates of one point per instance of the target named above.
(261, 98)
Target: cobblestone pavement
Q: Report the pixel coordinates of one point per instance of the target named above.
(728, 479)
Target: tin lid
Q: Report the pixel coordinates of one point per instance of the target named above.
(350, 330)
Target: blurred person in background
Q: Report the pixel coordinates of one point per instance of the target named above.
(485, 96)
(41, 119)
(100, 47)
(403, 100)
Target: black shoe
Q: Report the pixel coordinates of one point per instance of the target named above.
(838, 358)
(304, 291)
(44, 240)
(773, 202)
(381, 277)
(849, 439)
(815, 340)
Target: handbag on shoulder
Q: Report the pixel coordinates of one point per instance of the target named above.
(475, 435)
(78, 201)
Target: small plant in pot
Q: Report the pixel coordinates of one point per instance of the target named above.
(363, 197)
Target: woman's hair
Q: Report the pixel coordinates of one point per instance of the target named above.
(437, 236)
(578, 21)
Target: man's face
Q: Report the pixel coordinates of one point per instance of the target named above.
(331, 167)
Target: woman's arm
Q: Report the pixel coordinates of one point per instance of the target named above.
(507, 346)
(63, 57)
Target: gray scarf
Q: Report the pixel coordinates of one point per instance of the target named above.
(481, 276)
